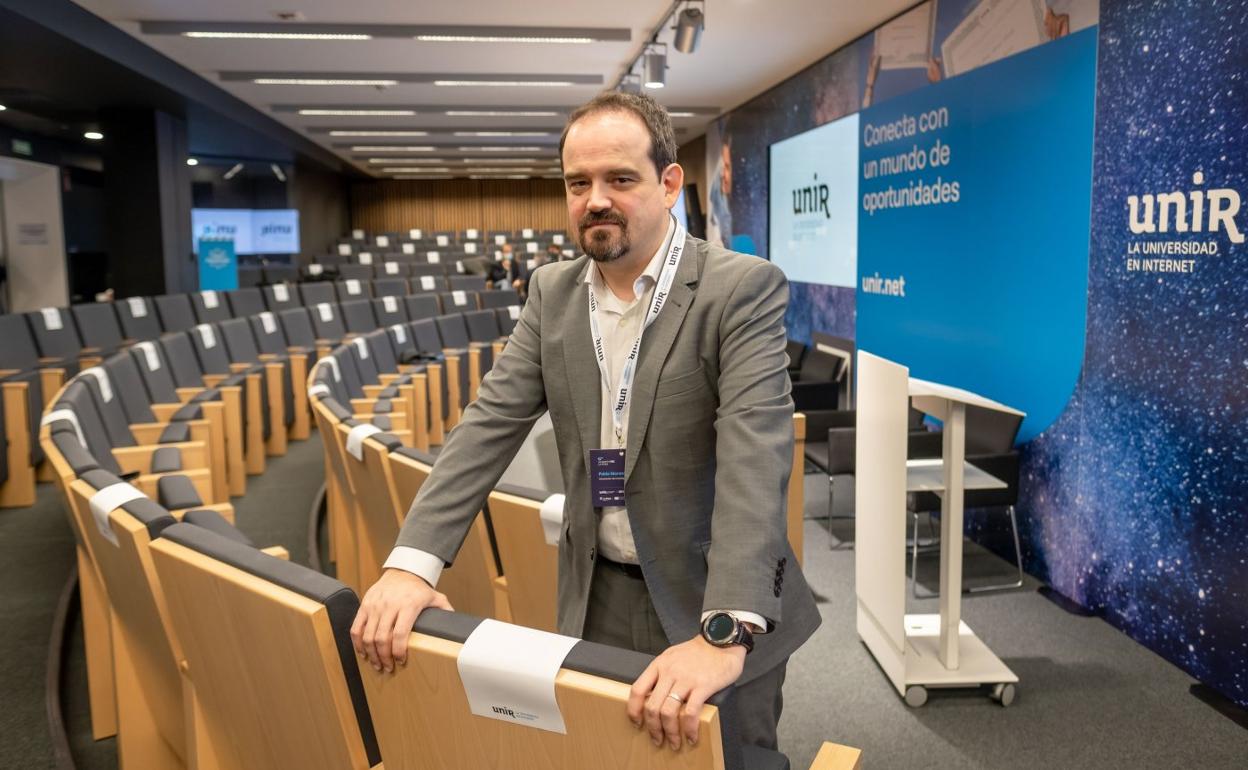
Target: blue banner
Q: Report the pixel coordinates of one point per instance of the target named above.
(218, 264)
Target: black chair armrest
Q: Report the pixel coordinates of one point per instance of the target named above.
(815, 396)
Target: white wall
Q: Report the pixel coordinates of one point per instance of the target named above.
(34, 235)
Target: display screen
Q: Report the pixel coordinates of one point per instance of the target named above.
(254, 231)
(813, 231)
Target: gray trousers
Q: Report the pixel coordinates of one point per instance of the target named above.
(621, 614)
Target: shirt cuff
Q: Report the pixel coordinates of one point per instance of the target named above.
(753, 618)
(420, 563)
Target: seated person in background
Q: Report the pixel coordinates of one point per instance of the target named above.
(553, 254)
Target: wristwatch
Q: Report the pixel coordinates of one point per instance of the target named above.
(721, 629)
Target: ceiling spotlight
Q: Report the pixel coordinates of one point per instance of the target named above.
(94, 136)
(688, 30)
(499, 149)
(192, 162)
(655, 68)
(277, 172)
(401, 170)
(3, 108)
(434, 176)
(389, 148)
(630, 84)
(500, 160)
(276, 35)
(501, 133)
(233, 172)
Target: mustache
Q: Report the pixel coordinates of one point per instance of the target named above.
(602, 218)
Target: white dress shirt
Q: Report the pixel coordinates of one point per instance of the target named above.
(619, 321)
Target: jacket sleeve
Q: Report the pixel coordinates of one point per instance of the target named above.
(753, 449)
(511, 398)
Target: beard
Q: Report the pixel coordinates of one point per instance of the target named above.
(601, 245)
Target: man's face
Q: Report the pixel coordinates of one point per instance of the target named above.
(615, 199)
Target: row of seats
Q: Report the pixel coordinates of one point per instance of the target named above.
(506, 569)
(444, 238)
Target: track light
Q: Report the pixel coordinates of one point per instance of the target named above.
(688, 30)
(277, 172)
(233, 172)
(631, 84)
(94, 136)
(655, 68)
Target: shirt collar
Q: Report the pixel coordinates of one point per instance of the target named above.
(648, 276)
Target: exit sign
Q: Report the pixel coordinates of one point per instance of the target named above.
(22, 147)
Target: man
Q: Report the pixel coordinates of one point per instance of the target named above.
(684, 553)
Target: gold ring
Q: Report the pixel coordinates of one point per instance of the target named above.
(675, 697)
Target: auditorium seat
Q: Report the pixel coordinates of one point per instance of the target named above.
(277, 274)
(529, 562)
(281, 296)
(389, 310)
(357, 316)
(591, 688)
(459, 301)
(56, 337)
(98, 325)
(210, 306)
(498, 298)
(297, 327)
(215, 359)
(24, 370)
(245, 302)
(327, 321)
(198, 357)
(507, 317)
(176, 313)
(390, 287)
(225, 598)
(475, 359)
(406, 353)
(468, 283)
(316, 293)
(362, 272)
(138, 318)
(390, 269)
(20, 407)
(240, 342)
(423, 270)
(353, 288)
(422, 306)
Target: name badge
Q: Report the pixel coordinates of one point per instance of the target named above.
(606, 477)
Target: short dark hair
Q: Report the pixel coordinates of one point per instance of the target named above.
(658, 123)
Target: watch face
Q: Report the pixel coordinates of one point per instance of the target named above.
(720, 628)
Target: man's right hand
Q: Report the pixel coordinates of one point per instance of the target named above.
(386, 615)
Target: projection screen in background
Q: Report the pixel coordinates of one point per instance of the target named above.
(813, 229)
(255, 231)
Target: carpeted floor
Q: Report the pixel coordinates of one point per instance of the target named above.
(1089, 697)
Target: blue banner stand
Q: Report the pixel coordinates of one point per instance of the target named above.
(218, 264)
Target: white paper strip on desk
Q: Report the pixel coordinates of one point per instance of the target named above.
(392, 268)
(138, 308)
(428, 282)
(531, 246)
(353, 286)
(508, 673)
(433, 257)
(52, 319)
(471, 234)
(442, 240)
(281, 293)
(207, 336)
(391, 304)
(526, 232)
(383, 241)
(210, 299)
(460, 298)
(267, 321)
(366, 258)
(500, 239)
(551, 514)
(409, 248)
(357, 235)
(326, 312)
(106, 501)
(415, 234)
(355, 439)
(994, 30)
(906, 42)
(315, 269)
(344, 249)
(470, 248)
(557, 239)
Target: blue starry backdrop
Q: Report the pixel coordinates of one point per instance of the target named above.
(1134, 501)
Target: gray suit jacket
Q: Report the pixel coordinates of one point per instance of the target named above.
(710, 445)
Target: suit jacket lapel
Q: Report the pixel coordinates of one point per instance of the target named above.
(655, 345)
(581, 368)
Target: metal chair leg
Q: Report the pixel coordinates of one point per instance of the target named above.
(833, 543)
(1018, 561)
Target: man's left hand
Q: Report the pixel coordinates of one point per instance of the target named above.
(692, 671)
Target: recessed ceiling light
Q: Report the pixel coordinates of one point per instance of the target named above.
(276, 36)
(435, 176)
(192, 162)
(502, 113)
(502, 133)
(371, 132)
(3, 108)
(498, 176)
(503, 83)
(324, 82)
(375, 113)
(500, 160)
(499, 39)
(499, 149)
(382, 161)
(94, 136)
(408, 170)
(390, 148)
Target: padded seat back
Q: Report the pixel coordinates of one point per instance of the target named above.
(153, 365)
(389, 310)
(281, 296)
(507, 317)
(210, 306)
(358, 273)
(379, 344)
(98, 326)
(391, 269)
(245, 302)
(529, 562)
(225, 597)
(353, 289)
(315, 293)
(425, 335)
(453, 330)
(459, 301)
(176, 313)
(298, 327)
(498, 298)
(127, 382)
(362, 353)
(239, 341)
(183, 363)
(349, 370)
(138, 318)
(55, 334)
(390, 287)
(275, 274)
(210, 349)
(108, 403)
(327, 321)
(357, 316)
(482, 325)
(17, 344)
(420, 270)
(422, 306)
(267, 330)
(466, 283)
(77, 399)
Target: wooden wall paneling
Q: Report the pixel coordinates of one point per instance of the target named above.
(458, 204)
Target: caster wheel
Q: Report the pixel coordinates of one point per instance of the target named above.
(1003, 694)
(916, 695)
